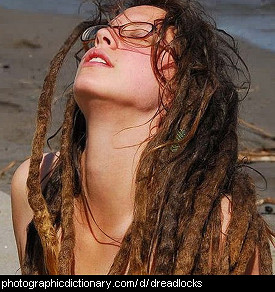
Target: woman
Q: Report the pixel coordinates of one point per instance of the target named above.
(147, 180)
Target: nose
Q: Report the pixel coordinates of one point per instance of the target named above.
(104, 38)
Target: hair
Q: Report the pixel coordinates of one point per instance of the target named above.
(176, 227)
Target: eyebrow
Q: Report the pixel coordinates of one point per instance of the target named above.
(136, 20)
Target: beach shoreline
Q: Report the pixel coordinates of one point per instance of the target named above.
(28, 41)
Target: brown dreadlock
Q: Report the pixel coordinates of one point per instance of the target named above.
(178, 193)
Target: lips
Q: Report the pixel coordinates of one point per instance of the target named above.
(97, 57)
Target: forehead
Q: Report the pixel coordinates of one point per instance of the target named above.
(139, 13)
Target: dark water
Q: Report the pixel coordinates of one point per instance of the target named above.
(46, 6)
(253, 20)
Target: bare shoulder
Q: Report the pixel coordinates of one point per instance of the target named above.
(19, 179)
(21, 211)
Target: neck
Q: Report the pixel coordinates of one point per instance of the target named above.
(115, 141)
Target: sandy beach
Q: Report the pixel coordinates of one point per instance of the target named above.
(28, 41)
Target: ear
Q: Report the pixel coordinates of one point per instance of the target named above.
(168, 66)
(167, 69)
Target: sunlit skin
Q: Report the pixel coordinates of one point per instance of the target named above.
(114, 98)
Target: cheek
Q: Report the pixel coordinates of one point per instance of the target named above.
(140, 82)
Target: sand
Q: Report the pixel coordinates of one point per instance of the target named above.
(28, 41)
(27, 44)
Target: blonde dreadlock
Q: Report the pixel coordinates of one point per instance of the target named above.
(42, 218)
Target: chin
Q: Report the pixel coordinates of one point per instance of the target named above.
(142, 98)
(87, 87)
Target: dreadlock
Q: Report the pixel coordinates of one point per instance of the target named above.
(42, 219)
(176, 227)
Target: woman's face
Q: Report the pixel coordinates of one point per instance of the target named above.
(127, 79)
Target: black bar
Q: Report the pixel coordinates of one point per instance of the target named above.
(46, 283)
